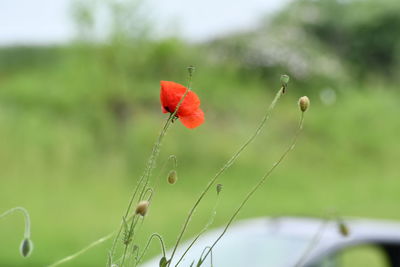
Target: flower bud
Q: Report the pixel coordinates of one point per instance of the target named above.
(163, 262)
(172, 177)
(142, 207)
(26, 247)
(343, 229)
(219, 188)
(191, 69)
(304, 103)
(285, 79)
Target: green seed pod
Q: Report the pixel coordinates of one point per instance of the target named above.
(26, 247)
(142, 207)
(304, 103)
(172, 177)
(163, 262)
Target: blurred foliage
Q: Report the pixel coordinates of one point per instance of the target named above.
(331, 42)
(77, 122)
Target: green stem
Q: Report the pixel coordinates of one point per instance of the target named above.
(312, 244)
(151, 162)
(27, 233)
(148, 244)
(210, 221)
(226, 166)
(260, 183)
(73, 256)
(130, 235)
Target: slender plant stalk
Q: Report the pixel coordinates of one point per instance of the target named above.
(259, 184)
(154, 235)
(225, 167)
(130, 234)
(27, 232)
(91, 245)
(210, 221)
(150, 164)
(73, 256)
(202, 253)
(175, 164)
(314, 242)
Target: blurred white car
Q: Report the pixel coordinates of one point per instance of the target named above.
(281, 242)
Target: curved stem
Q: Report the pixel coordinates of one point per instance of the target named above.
(27, 232)
(211, 220)
(148, 244)
(260, 183)
(226, 166)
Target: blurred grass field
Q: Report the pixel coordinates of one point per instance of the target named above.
(77, 123)
(73, 167)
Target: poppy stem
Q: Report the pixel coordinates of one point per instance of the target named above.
(314, 241)
(144, 179)
(259, 184)
(210, 221)
(159, 237)
(27, 233)
(225, 167)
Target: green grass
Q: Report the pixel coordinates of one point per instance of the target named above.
(67, 158)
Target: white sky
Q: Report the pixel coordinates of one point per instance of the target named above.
(48, 21)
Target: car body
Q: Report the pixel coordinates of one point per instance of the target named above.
(287, 241)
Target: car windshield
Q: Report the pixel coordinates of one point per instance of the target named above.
(247, 248)
(259, 251)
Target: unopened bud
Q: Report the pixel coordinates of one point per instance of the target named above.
(191, 69)
(142, 207)
(172, 177)
(285, 79)
(304, 103)
(26, 247)
(163, 262)
(343, 229)
(219, 188)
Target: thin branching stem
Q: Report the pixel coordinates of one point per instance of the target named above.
(154, 235)
(260, 183)
(313, 243)
(175, 164)
(130, 236)
(225, 167)
(210, 221)
(151, 163)
(91, 245)
(78, 253)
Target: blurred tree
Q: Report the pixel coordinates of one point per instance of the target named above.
(322, 42)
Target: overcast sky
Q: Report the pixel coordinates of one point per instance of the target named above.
(48, 21)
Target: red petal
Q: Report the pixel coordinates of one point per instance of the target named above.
(170, 95)
(193, 120)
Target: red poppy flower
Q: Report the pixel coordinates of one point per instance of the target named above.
(189, 111)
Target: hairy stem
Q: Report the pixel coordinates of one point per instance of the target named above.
(210, 221)
(259, 184)
(151, 163)
(224, 168)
